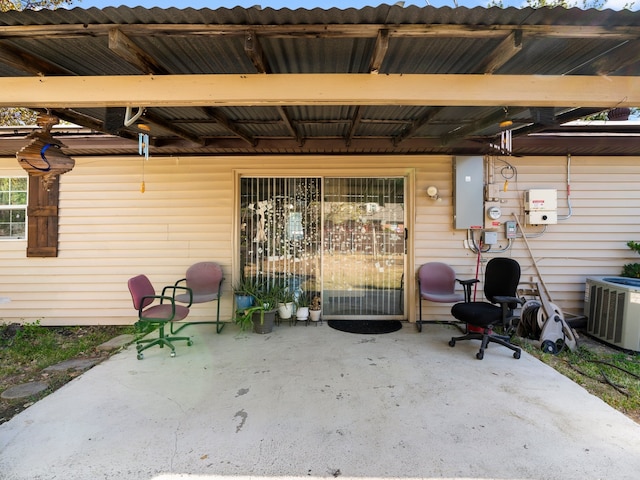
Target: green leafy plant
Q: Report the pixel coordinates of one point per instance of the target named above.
(245, 286)
(284, 294)
(632, 269)
(266, 296)
(303, 300)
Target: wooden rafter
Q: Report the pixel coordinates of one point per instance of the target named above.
(150, 117)
(507, 49)
(126, 49)
(289, 124)
(226, 123)
(379, 50)
(355, 123)
(25, 62)
(496, 117)
(253, 49)
(416, 125)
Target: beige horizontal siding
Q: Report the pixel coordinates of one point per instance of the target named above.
(110, 231)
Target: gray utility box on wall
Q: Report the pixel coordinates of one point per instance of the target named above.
(468, 193)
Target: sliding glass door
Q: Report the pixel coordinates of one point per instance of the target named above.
(363, 247)
(342, 239)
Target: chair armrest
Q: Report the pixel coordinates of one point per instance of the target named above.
(507, 299)
(176, 287)
(466, 284)
(179, 282)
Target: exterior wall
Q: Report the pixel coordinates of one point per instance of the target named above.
(110, 231)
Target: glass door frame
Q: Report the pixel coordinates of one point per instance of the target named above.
(409, 174)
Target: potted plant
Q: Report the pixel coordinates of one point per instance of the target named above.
(302, 307)
(244, 291)
(315, 308)
(286, 298)
(260, 316)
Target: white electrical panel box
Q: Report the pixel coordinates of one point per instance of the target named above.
(541, 200)
(541, 206)
(542, 218)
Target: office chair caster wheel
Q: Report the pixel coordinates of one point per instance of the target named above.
(480, 355)
(189, 343)
(172, 354)
(452, 343)
(140, 356)
(516, 355)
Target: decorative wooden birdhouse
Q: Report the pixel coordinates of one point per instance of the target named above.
(43, 156)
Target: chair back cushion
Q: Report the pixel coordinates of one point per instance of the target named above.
(501, 277)
(204, 280)
(140, 286)
(437, 278)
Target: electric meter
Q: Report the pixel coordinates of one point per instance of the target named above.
(492, 216)
(494, 212)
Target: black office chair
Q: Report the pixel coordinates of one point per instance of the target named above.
(501, 279)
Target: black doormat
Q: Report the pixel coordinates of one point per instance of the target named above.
(366, 326)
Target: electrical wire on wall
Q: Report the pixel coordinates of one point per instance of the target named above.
(476, 246)
(568, 215)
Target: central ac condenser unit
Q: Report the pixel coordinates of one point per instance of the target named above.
(612, 308)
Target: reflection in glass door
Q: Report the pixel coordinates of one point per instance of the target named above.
(363, 248)
(280, 233)
(342, 239)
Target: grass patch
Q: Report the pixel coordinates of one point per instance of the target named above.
(611, 375)
(26, 350)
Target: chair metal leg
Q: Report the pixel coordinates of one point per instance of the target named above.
(219, 325)
(162, 340)
(486, 337)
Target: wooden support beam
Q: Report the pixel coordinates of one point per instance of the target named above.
(320, 89)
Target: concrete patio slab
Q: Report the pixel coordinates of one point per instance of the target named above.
(306, 402)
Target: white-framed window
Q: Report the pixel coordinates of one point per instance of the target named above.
(13, 207)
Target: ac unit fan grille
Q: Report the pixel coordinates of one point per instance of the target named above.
(606, 313)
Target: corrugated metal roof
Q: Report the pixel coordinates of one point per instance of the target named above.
(421, 40)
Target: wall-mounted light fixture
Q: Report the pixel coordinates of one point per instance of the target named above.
(432, 193)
